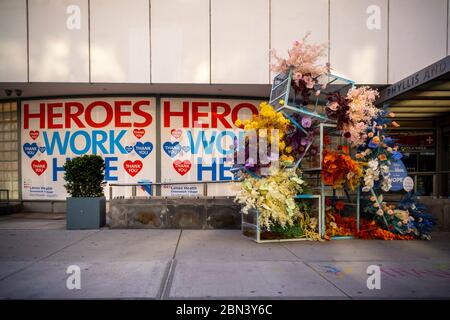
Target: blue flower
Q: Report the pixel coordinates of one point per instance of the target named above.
(372, 144)
(396, 155)
(388, 140)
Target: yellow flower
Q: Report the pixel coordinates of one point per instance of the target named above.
(288, 149)
(238, 123)
(281, 102)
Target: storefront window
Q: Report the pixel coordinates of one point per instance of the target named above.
(419, 155)
(9, 156)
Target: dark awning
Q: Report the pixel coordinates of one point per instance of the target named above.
(424, 94)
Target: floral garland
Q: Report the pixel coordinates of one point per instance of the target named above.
(407, 218)
(303, 60)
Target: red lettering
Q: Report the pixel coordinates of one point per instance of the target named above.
(244, 105)
(147, 116)
(118, 113)
(168, 114)
(73, 116)
(27, 115)
(220, 116)
(108, 112)
(196, 114)
(52, 115)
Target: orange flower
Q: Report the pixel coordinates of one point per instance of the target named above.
(395, 124)
(382, 157)
(376, 140)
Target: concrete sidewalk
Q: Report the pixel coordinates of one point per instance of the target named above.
(208, 264)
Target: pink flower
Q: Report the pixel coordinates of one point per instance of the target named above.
(333, 106)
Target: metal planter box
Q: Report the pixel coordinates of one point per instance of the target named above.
(86, 213)
(250, 227)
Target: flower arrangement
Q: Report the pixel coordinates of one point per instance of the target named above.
(339, 169)
(291, 141)
(263, 123)
(298, 142)
(336, 225)
(353, 112)
(273, 197)
(303, 60)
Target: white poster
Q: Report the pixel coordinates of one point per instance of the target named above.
(121, 130)
(197, 137)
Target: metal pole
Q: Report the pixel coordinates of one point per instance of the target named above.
(133, 191)
(110, 192)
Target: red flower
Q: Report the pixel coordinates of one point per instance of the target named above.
(340, 205)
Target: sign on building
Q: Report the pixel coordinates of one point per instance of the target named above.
(197, 137)
(121, 130)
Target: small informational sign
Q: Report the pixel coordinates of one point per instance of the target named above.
(398, 173)
(408, 184)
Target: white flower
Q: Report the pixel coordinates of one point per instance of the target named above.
(373, 164)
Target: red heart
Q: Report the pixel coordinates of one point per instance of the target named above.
(176, 133)
(34, 134)
(39, 166)
(132, 168)
(182, 167)
(139, 133)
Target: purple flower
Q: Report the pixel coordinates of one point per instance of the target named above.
(304, 141)
(306, 122)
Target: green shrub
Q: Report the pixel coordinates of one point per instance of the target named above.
(85, 176)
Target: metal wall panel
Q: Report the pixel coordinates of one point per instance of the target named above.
(358, 39)
(417, 35)
(240, 41)
(13, 41)
(120, 41)
(59, 40)
(180, 41)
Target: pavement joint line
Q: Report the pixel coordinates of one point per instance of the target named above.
(330, 282)
(290, 251)
(47, 256)
(314, 270)
(178, 242)
(166, 282)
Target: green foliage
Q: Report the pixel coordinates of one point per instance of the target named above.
(85, 176)
(289, 231)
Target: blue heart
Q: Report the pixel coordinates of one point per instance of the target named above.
(186, 148)
(42, 149)
(30, 149)
(129, 149)
(172, 149)
(143, 149)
